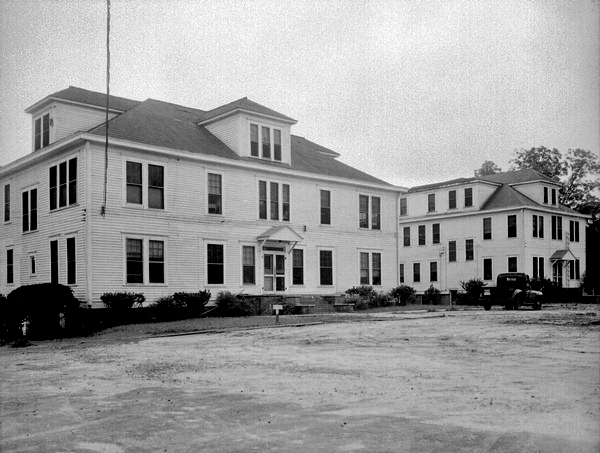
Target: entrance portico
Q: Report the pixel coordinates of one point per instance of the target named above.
(276, 245)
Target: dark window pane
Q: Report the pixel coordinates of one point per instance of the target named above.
(46, 130)
(215, 264)
(376, 268)
(33, 207)
(325, 207)
(376, 210)
(468, 197)
(363, 211)
(452, 199)
(326, 267)
(53, 261)
(38, 134)
(276, 144)
(71, 261)
(134, 182)
(254, 140)
(25, 211)
(274, 201)
(266, 142)
(262, 199)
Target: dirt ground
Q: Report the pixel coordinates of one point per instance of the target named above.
(472, 381)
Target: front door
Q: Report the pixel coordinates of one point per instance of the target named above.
(274, 272)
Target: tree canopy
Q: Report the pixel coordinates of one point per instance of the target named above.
(488, 168)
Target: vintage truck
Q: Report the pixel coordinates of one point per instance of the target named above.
(512, 290)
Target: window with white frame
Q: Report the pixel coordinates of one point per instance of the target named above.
(215, 264)
(468, 197)
(406, 236)
(325, 207)
(416, 272)
(71, 262)
(29, 210)
(149, 194)
(7, 202)
(401, 271)
(248, 265)
(487, 228)
(41, 135)
(63, 184)
(326, 267)
(145, 261)
(215, 193)
(512, 226)
(431, 202)
(10, 267)
(487, 268)
(557, 227)
(54, 261)
(265, 142)
(452, 251)
(469, 250)
(273, 201)
(574, 270)
(403, 206)
(512, 264)
(433, 271)
(452, 199)
(574, 231)
(538, 267)
(298, 267)
(537, 224)
(363, 212)
(435, 233)
(370, 268)
(421, 235)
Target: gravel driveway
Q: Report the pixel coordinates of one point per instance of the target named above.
(446, 381)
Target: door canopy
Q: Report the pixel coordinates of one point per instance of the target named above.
(282, 235)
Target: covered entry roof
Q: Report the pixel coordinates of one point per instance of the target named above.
(281, 233)
(563, 255)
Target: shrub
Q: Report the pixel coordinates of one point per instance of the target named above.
(192, 302)
(403, 294)
(381, 300)
(290, 308)
(49, 308)
(473, 289)
(432, 296)
(229, 304)
(123, 300)
(362, 291)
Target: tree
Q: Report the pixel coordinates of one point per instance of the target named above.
(547, 161)
(578, 172)
(488, 168)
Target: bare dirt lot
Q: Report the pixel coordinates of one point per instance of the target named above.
(446, 381)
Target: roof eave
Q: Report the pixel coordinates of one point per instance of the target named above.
(49, 99)
(245, 111)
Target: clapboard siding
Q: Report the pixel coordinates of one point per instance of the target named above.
(227, 130)
(69, 118)
(52, 225)
(186, 227)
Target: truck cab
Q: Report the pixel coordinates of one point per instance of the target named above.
(512, 290)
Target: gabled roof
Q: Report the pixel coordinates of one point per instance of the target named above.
(242, 105)
(563, 255)
(87, 97)
(281, 233)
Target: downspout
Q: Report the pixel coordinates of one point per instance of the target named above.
(398, 195)
(88, 216)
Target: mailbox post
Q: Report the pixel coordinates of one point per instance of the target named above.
(277, 308)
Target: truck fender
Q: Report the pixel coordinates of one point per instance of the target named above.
(515, 294)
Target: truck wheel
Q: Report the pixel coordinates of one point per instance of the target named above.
(508, 306)
(537, 306)
(487, 307)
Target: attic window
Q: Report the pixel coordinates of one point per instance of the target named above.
(270, 145)
(42, 132)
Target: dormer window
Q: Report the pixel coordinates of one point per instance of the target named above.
(270, 145)
(553, 196)
(41, 132)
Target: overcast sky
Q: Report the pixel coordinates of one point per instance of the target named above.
(412, 92)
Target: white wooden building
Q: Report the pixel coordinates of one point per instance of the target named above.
(479, 227)
(184, 199)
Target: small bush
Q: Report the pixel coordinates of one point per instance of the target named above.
(432, 296)
(229, 304)
(192, 302)
(123, 300)
(473, 289)
(290, 308)
(403, 295)
(381, 300)
(362, 291)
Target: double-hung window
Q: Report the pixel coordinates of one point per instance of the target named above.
(254, 140)
(416, 272)
(29, 207)
(215, 194)
(435, 233)
(7, 203)
(468, 197)
(276, 144)
(431, 202)
(41, 132)
(265, 145)
(538, 267)
(469, 252)
(512, 226)
(150, 194)
(421, 234)
(145, 257)
(401, 272)
(557, 227)
(325, 207)
(325, 267)
(574, 231)
(363, 212)
(266, 142)
(298, 267)
(452, 199)
(574, 270)
(63, 184)
(370, 268)
(215, 264)
(487, 228)
(71, 262)
(10, 267)
(54, 261)
(269, 204)
(487, 268)
(452, 251)
(545, 195)
(248, 265)
(512, 264)
(406, 235)
(433, 271)
(553, 196)
(403, 207)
